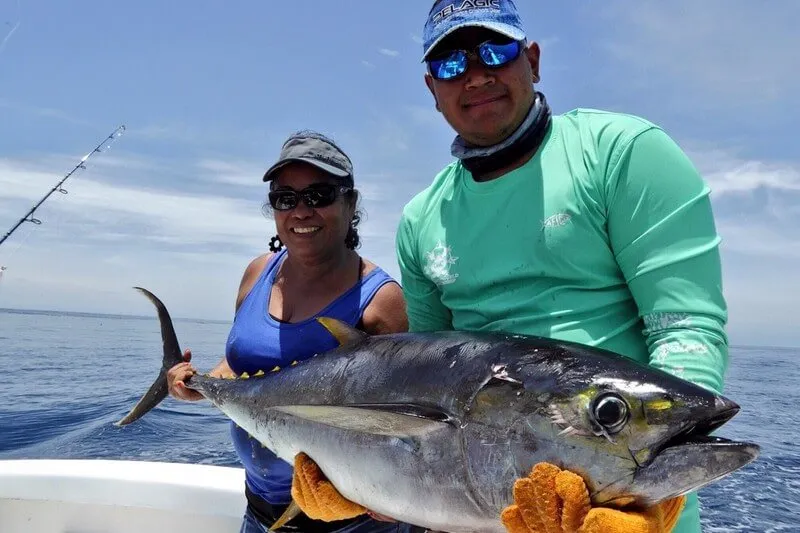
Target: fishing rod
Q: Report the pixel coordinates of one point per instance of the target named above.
(59, 186)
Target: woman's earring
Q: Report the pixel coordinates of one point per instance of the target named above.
(275, 244)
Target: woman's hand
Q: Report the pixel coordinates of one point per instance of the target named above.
(176, 377)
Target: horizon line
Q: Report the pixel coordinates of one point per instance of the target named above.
(90, 314)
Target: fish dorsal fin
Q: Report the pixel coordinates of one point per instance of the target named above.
(344, 333)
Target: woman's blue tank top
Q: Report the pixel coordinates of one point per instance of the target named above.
(257, 341)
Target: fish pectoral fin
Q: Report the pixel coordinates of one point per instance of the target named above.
(291, 511)
(388, 421)
(344, 333)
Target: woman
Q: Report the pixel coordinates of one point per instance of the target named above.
(312, 270)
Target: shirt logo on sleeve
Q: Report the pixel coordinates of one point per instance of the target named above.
(557, 220)
(437, 264)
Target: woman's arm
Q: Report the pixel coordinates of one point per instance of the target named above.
(386, 313)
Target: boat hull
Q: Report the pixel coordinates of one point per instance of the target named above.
(114, 496)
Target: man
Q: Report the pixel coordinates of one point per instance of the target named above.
(589, 226)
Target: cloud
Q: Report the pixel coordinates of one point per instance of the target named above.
(733, 52)
(425, 115)
(389, 53)
(716, 71)
(756, 206)
(180, 219)
(728, 173)
(43, 112)
(548, 42)
(232, 173)
(190, 230)
(368, 64)
(109, 234)
(756, 203)
(416, 38)
(210, 136)
(758, 240)
(174, 132)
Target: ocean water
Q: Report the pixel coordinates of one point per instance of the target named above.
(66, 378)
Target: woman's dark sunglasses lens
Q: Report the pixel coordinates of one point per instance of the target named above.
(319, 195)
(283, 200)
(315, 196)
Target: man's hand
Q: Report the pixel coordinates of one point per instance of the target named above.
(551, 500)
(317, 496)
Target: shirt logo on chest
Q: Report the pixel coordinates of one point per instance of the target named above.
(437, 264)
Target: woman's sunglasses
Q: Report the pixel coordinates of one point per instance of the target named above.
(493, 53)
(317, 196)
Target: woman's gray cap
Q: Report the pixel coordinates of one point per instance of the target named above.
(314, 149)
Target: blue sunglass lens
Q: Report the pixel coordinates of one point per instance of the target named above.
(497, 55)
(449, 67)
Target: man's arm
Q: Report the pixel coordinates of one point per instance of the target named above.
(423, 303)
(663, 235)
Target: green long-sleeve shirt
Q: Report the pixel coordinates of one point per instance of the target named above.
(605, 237)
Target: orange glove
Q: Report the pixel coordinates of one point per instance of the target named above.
(551, 500)
(317, 496)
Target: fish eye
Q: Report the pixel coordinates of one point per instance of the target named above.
(611, 412)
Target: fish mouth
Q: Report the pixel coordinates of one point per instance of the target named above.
(689, 466)
(699, 431)
(686, 461)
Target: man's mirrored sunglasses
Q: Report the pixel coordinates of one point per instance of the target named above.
(493, 53)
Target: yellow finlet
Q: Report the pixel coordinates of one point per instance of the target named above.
(276, 369)
(344, 333)
(294, 363)
(258, 374)
(244, 375)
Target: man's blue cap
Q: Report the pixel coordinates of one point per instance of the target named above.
(447, 16)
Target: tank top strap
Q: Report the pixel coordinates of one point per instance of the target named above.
(370, 284)
(263, 286)
(354, 300)
(274, 262)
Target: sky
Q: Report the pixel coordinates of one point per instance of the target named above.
(208, 91)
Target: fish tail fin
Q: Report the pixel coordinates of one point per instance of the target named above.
(172, 356)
